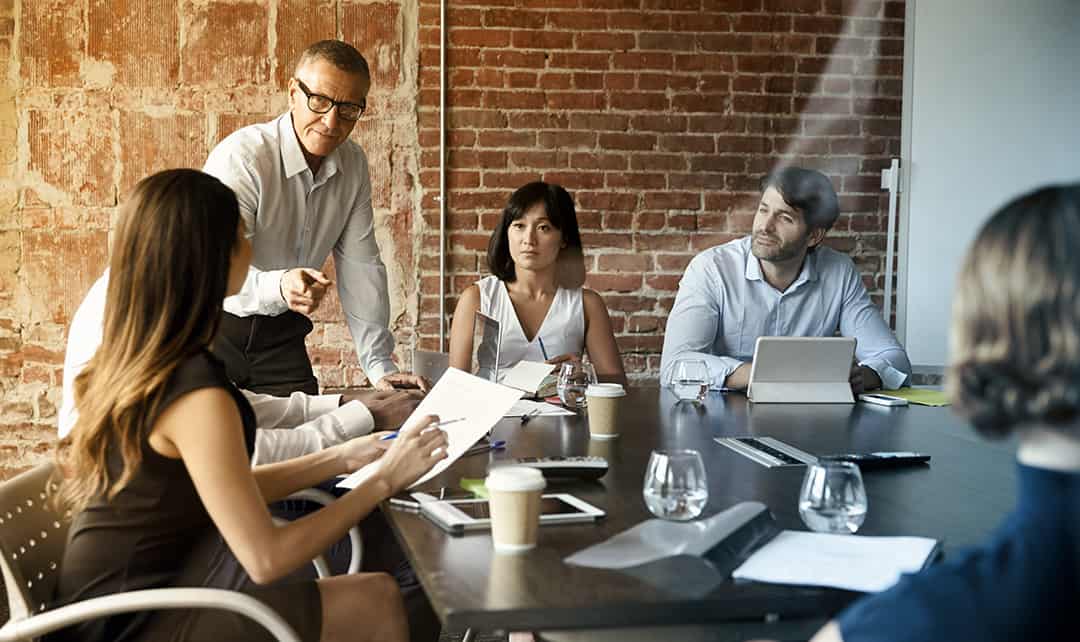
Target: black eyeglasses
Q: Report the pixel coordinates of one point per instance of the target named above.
(322, 104)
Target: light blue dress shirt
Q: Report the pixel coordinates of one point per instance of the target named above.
(724, 304)
(295, 219)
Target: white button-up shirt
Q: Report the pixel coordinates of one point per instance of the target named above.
(295, 219)
(286, 427)
(724, 304)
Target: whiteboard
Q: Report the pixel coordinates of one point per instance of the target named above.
(991, 109)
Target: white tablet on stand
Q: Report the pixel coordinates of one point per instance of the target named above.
(802, 370)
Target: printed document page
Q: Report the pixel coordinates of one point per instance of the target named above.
(478, 403)
(852, 562)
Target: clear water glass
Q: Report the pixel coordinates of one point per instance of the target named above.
(690, 380)
(574, 378)
(675, 486)
(833, 498)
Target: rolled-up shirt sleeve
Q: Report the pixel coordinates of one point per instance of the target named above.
(362, 287)
(693, 324)
(289, 412)
(876, 347)
(329, 429)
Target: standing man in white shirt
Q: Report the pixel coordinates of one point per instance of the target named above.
(304, 190)
(780, 281)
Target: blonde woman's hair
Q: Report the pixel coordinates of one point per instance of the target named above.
(1016, 316)
(168, 275)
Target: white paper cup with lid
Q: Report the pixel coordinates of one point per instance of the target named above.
(604, 400)
(514, 494)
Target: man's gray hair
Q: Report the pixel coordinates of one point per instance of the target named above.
(340, 54)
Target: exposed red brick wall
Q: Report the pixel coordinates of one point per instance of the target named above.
(659, 116)
(95, 95)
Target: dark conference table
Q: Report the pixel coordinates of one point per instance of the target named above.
(958, 498)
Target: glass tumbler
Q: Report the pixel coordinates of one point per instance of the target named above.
(675, 486)
(833, 498)
(690, 380)
(574, 378)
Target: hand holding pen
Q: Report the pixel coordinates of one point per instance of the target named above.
(394, 434)
(556, 360)
(412, 451)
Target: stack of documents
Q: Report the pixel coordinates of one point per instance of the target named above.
(855, 563)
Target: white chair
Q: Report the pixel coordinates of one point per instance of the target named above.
(356, 543)
(32, 540)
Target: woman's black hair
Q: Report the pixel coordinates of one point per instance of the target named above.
(559, 207)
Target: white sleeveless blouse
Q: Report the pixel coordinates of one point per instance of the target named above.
(563, 329)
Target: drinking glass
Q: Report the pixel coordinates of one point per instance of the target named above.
(690, 380)
(833, 498)
(675, 487)
(574, 378)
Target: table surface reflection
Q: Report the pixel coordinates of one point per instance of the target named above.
(959, 498)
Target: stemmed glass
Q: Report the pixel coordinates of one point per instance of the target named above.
(574, 378)
(675, 486)
(833, 498)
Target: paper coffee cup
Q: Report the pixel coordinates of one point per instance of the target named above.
(514, 495)
(604, 400)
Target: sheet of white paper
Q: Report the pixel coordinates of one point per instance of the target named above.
(856, 563)
(457, 394)
(525, 375)
(541, 408)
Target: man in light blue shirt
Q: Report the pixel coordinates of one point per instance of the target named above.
(779, 281)
(304, 190)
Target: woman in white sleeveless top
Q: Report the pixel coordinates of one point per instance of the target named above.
(535, 292)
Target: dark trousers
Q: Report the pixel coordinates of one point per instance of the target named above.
(267, 354)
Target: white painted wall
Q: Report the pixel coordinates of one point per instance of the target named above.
(991, 109)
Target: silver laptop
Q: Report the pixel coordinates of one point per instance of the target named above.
(487, 343)
(802, 370)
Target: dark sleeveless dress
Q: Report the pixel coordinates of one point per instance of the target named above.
(156, 533)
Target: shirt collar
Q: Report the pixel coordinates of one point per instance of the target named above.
(809, 271)
(293, 157)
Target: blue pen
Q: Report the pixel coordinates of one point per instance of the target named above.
(543, 350)
(394, 434)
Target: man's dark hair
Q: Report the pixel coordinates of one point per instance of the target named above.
(806, 190)
(340, 54)
(559, 207)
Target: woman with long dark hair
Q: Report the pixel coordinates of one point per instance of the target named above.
(535, 290)
(156, 470)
